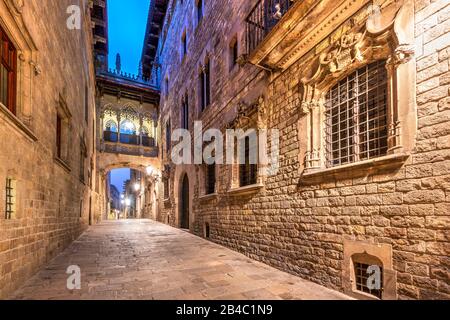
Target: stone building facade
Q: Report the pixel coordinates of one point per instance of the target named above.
(359, 93)
(46, 134)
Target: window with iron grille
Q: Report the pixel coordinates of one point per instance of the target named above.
(361, 277)
(247, 172)
(205, 86)
(9, 211)
(8, 72)
(210, 178)
(185, 114)
(356, 116)
(234, 52)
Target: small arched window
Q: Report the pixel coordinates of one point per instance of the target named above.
(111, 125)
(368, 274)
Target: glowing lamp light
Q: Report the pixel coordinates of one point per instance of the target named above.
(137, 186)
(149, 170)
(127, 202)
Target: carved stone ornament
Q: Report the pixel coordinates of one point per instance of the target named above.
(357, 44)
(36, 68)
(246, 115)
(17, 5)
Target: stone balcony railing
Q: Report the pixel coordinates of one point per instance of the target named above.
(138, 149)
(123, 77)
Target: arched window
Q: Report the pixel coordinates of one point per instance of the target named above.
(128, 133)
(368, 274)
(205, 85)
(111, 125)
(127, 127)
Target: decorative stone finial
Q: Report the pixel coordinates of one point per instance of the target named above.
(118, 63)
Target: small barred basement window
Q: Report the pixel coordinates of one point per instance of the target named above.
(356, 116)
(10, 199)
(369, 279)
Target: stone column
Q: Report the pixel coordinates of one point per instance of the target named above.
(118, 127)
(140, 129)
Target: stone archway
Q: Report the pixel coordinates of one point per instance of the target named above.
(110, 161)
(184, 198)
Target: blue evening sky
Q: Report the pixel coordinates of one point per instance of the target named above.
(127, 21)
(118, 177)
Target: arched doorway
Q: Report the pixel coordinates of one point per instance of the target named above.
(184, 203)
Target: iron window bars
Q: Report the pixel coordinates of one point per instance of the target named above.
(361, 277)
(9, 199)
(356, 116)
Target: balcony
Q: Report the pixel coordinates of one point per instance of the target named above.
(279, 32)
(130, 144)
(262, 19)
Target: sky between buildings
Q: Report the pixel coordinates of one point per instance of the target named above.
(127, 22)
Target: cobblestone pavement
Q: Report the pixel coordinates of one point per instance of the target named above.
(143, 259)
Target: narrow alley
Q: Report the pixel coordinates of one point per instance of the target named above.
(143, 259)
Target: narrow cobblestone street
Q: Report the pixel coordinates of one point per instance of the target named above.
(143, 259)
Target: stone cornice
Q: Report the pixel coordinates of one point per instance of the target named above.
(305, 25)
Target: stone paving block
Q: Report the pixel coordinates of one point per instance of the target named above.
(185, 267)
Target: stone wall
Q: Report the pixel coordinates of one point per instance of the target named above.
(53, 205)
(310, 229)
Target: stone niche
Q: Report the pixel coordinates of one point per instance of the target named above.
(370, 254)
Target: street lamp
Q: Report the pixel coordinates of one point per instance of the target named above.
(149, 170)
(127, 202)
(137, 186)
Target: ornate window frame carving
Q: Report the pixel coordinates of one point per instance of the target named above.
(27, 63)
(359, 41)
(65, 116)
(249, 116)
